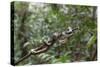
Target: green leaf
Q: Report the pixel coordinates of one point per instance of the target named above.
(91, 42)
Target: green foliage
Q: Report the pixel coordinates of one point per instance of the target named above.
(91, 42)
(36, 21)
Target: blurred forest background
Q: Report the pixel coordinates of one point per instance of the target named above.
(36, 21)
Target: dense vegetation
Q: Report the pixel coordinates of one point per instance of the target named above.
(34, 22)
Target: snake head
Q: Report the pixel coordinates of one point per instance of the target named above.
(69, 31)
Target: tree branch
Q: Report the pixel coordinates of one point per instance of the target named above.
(46, 45)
